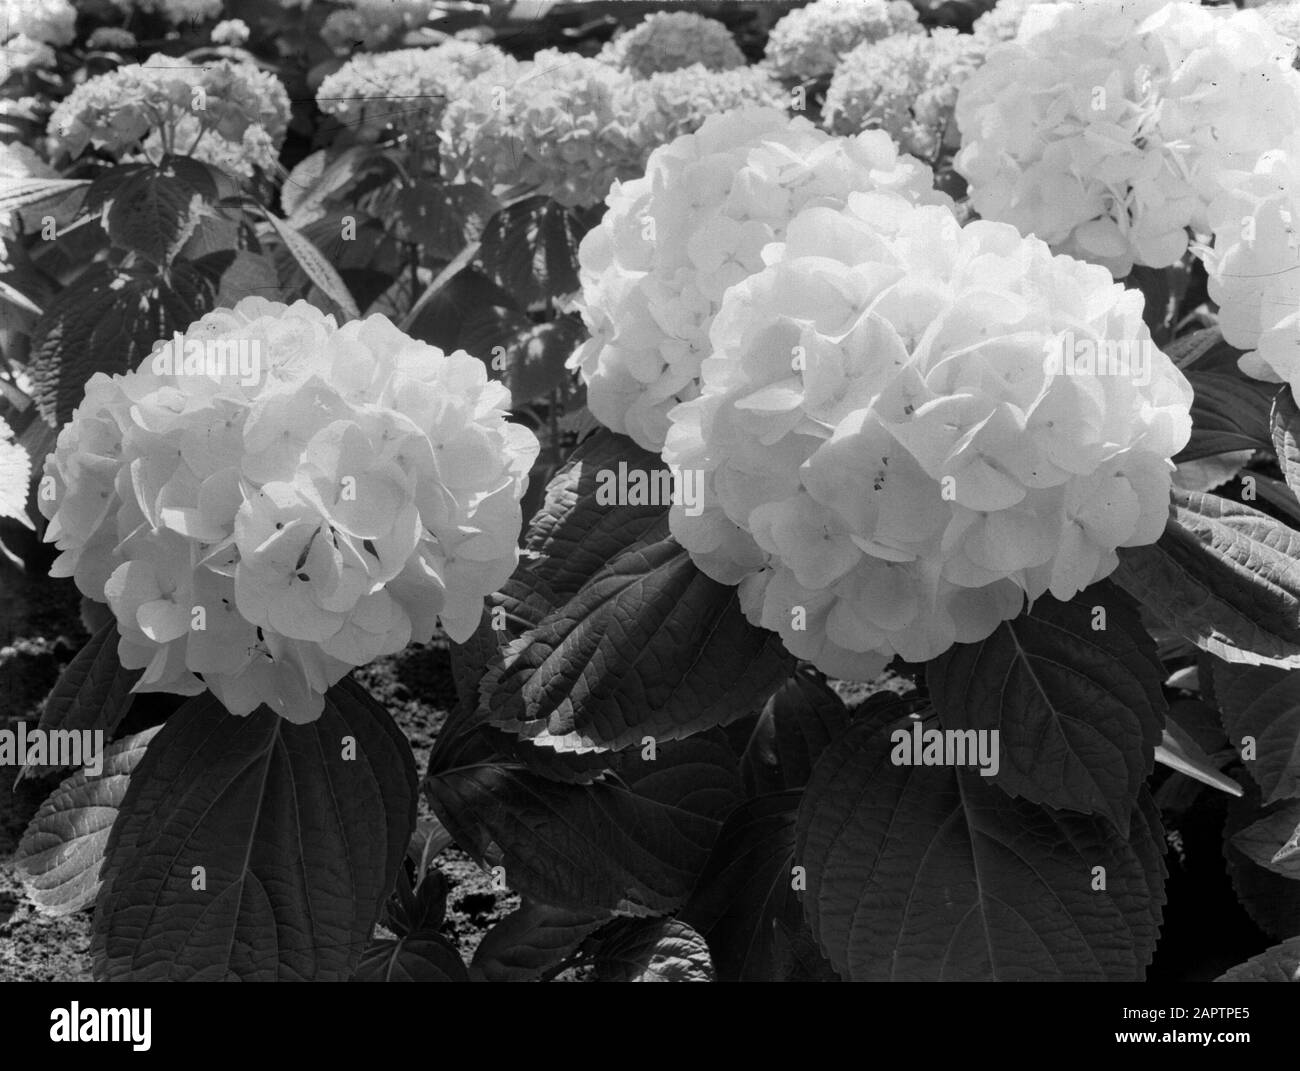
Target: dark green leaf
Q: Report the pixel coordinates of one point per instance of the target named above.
(1285, 420)
(1229, 412)
(652, 950)
(427, 958)
(1263, 703)
(299, 845)
(797, 723)
(531, 940)
(1281, 963)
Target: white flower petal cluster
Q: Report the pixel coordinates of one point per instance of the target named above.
(809, 41)
(154, 105)
(175, 11)
(230, 32)
(406, 90)
(373, 23)
(268, 532)
(1284, 19)
(1002, 22)
(905, 85)
(557, 123)
(674, 103)
(1104, 127)
(111, 38)
(670, 40)
(1254, 264)
(897, 444)
(655, 269)
(52, 22)
(22, 54)
(15, 476)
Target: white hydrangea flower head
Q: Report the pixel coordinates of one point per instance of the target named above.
(406, 90)
(230, 32)
(1103, 127)
(241, 125)
(671, 242)
(905, 85)
(373, 23)
(1254, 263)
(557, 124)
(670, 40)
(52, 22)
(334, 505)
(175, 11)
(809, 41)
(897, 443)
(678, 102)
(22, 54)
(111, 38)
(1002, 22)
(15, 476)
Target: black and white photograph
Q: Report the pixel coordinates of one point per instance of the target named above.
(798, 491)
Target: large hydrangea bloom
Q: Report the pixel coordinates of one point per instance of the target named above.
(670, 40)
(52, 22)
(809, 41)
(154, 106)
(373, 23)
(556, 124)
(325, 510)
(406, 90)
(674, 103)
(899, 442)
(905, 85)
(1002, 22)
(1254, 264)
(655, 270)
(1104, 126)
(1284, 19)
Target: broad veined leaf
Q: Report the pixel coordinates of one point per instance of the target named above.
(238, 273)
(469, 312)
(1285, 419)
(1223, 575)
(795, 726)
(156, 209)
(652, 950)
(23, 193)
(61, 852)
(1268, 892)
(530, 247)
(93, 691)
(746, 891)
(531, 940)
(1281, 963)
(534, 358)
(1074, 693)
(319, 270)
(650, 646)
(1229, 412)
(1261, 707)
(298, 845)
(932, 873)
(425, 958)
(315, 178)
(634, 844)
(607, 496)
(1273, 840)
(107, 321)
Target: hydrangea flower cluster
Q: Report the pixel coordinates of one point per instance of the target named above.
(674, 103)
(175, 11)
(905, 85)
(268, 532)
(897, 444)
(405, 90)
(52, 22)
(1104, 127)
(557, 123)
(22, 54)
(1254, 264)
(111, 38)
(232, 115)
(670, 40)
(1002, 22)
(373, 23)
(15, 476)
(230, 32)
(809, 41)
(655, 269)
